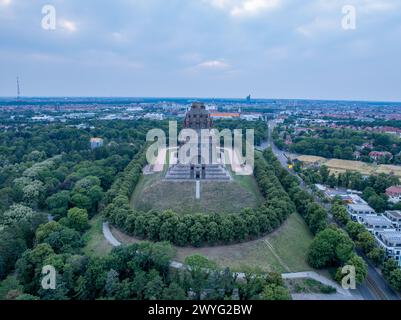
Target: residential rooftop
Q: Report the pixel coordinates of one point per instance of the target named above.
(372, 219)
(391, 236)
(360, 207)
(394, 213)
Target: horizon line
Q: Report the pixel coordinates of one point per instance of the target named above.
(197, 98)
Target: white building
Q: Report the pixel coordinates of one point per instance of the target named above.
(251, 117)
(394, 194)
(356, 210)
(43, 118)
(390, 241)
(154, 116)
(135, 109)
(96, 143)
(375, 223)
(395, 217)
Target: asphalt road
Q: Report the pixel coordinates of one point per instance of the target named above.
(374, 287)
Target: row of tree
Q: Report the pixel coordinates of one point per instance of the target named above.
(199, 229)
(331, 246)
(137, 272)
(314, 214)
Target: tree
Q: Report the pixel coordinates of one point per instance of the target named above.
(340, 214)
(377, 256)
(368, 192)
(33, 193)
(366, 241)
(354, 229)
(29, 266)
(274, 292)
(78, 219)
(377, 203)
(154, 286)
(389, 266)
(174, 292)
(316, 217)
(324, 173)
(330, 247)
(395, 279)
(361, 268)
(45, 230)
(112, 283)
(16, 214)
(196, 233)
(81, 201)
(58, 203)
(200, 269)
(64, 240)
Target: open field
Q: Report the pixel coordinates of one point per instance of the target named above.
(152, 192)
(96, 244)
(221, 197)
(389, 169)
(284, 250)
(337, 166)
(311, 159)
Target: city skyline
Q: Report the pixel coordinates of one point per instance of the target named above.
(207, 48)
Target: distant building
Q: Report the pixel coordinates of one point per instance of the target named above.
(154, 116)
(135, 109)
(43, 118)
(96, 143)
(394, 194)
(390, 130)
(347, 197)
(356, 210)
(375, 223)
(225, 115)
(390, 241)
(378, 155)
(251, 117)
(395, 217)
(367, 146)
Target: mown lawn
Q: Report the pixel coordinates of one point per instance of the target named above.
(285, 250)
(96, 244)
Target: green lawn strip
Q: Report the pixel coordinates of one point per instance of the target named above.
(96, 244)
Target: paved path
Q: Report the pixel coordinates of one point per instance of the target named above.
(300, 275)
(319, 278)
(198, 189)
(109, 236)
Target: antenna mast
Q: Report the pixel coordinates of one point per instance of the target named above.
(18, 89)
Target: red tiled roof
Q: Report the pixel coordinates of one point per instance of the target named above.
(225, 115)
(394, 190)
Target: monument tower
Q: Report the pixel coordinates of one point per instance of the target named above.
(198, 119)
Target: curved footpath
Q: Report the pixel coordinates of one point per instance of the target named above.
(298, 275)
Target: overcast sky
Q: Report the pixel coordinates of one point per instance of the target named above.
(202, 48)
